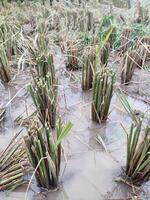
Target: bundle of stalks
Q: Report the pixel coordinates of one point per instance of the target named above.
(107, 34)
(126, 37)
(122, 3)
(4, 66)
(44, 151)
(142, 14)
(88, 67)
(85, 21)
(8, 34)
(107, 29)
(39, 47)
(90, 20)
(130, 61)
(13, 165)
(104, 54)
(143, 47)
(72, 19)
(44, 66)
(44, 90)
(2, 113)
(102, 94)
(81, 20)
(138, 157)
(113, 36)
(42, 57)
(72, 52)
(44, 96)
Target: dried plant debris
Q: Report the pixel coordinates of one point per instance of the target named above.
(44, 151)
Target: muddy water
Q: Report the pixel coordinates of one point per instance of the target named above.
(91, 167)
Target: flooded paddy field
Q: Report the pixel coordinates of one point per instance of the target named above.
(92, 168)
(93, 155)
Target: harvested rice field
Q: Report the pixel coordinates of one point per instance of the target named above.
(74, 100)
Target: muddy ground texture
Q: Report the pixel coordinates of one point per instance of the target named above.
(92, 168)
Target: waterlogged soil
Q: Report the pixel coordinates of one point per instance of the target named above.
(91, 166)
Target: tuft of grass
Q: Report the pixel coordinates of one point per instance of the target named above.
(102, 94)
(44, 152)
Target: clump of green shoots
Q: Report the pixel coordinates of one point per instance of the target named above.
(88, 67)
(130, 61)
(44, 151)
(138, 157)
(102, 94)
(4, 66)
(13, 165)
